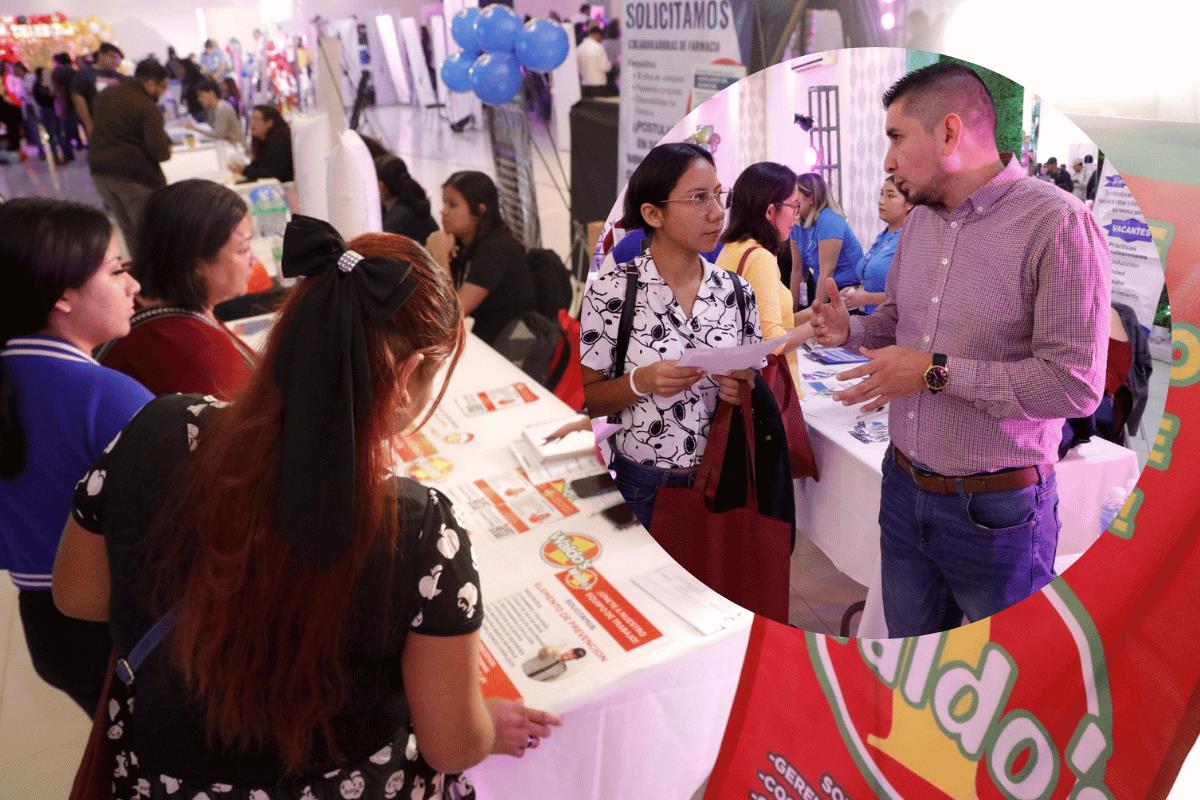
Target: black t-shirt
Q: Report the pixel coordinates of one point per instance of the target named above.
(434, 590)
(274, 160)
(89, 81)
(403, 220)
(496, 262)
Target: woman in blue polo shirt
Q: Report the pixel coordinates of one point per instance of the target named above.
(66, 292)
(873, 267)
(823, 244)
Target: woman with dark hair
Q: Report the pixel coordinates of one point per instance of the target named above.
(318, 617)
(65, 292)
(682, 302)
(405, 204)
(823, 246)
(270, 147)
(872, 268)
(487, 263)
(194, 252)
(762, 211)
(230, 94)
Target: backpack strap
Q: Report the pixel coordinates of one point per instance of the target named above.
(128, 666)
(740, 295)
(625, 326)
(746, 255)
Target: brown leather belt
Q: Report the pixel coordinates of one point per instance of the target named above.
(990, 482)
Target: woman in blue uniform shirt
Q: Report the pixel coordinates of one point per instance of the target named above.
(873, 267)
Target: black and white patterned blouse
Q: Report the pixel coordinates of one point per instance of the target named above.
(665, 431)
(430, 585)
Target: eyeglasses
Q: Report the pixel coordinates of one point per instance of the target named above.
(701, 200)
(795, 207)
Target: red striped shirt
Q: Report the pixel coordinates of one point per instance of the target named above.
(1013, 286)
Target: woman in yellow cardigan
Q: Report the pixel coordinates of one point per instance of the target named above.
(763, 207)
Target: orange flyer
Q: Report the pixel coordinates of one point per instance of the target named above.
(493, 680)
(609, 608)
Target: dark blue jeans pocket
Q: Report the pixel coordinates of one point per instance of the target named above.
(998, 513)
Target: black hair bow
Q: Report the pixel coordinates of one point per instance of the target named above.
(323, 371)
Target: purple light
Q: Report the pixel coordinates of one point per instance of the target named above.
(888, 20)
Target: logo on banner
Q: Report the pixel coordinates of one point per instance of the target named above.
(1114, 181)
(961, 718)
(565, 550)
(582, 579)
(1129, 230)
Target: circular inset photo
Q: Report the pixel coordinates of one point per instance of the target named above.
(886, 338)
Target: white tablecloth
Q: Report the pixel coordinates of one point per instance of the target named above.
(840, 513)
(647, 722)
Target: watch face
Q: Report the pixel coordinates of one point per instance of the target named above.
(936, 378)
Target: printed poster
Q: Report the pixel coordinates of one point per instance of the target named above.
(662, 47)
(477, 403)
(1137, 270)
(574, 622)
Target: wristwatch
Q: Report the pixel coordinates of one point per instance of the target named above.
(937, 376)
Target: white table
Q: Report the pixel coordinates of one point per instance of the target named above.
(840, 513)
(646, 722)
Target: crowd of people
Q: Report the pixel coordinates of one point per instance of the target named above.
(982, 308)
(382, 687)
(381, 661)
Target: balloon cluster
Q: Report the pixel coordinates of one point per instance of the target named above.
(494, 48)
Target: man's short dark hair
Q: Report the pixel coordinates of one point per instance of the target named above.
(939, 89)
(150, 70)
(1051, 160)
(108, 47)
(208, 85)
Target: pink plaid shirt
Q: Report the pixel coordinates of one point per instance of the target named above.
(1013, 286)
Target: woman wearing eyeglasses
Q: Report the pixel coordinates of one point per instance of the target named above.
(681, 302)
(66, 292)
(763, 207)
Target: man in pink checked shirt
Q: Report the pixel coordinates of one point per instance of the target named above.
(994, 330)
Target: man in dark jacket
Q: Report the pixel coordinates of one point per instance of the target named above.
(128, 143)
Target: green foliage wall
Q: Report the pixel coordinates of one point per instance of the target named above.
(1010, 102)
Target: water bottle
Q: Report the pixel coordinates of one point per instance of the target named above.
(1114, 501)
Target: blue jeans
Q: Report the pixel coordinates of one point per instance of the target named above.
(639, 484)
(949, 555)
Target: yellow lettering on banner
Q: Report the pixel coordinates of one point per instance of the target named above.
(915, 738)
(1160, 454)
(1123, 525)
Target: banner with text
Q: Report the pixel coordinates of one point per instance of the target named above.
(663, 44)
(1137, 269)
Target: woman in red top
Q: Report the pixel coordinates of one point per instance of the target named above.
(194, 253)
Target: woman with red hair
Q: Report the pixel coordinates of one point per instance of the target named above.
(318, 618)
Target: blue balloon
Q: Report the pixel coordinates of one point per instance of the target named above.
(456, 71)
(496, 77)
(542, 45)
(462, 29)
(497, 27)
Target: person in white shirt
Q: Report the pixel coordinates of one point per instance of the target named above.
(221, 116)
(1079, 179)
(593, 63)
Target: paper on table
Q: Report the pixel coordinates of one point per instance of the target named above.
(719, 360)
(696, 604)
